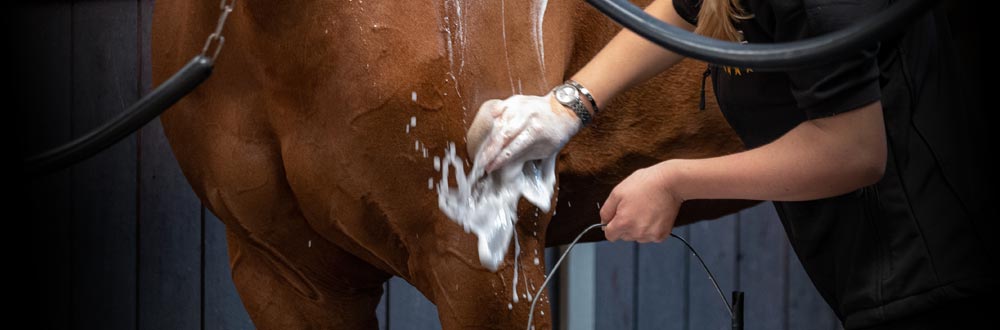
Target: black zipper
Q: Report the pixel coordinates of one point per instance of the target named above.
(704, 76)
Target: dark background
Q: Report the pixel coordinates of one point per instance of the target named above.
(121, 242)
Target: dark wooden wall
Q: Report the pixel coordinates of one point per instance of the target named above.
(121, 242)
(127, 245)
(662, 286)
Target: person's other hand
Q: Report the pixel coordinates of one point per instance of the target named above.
(643, 207)
(526, 128)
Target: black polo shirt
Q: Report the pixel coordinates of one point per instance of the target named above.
(916, 240)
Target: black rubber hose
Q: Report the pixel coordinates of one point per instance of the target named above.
(136, 116)
(767, 57)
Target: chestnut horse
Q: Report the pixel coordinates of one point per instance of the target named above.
(302, 144)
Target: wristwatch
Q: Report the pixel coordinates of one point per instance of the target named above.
(570, 94)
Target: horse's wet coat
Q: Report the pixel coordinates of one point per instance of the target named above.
(314, 143)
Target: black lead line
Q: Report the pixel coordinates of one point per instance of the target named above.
(735, 310)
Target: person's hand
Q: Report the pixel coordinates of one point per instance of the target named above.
(526, 128)
(643, 207)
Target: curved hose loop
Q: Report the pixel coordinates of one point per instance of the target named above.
(130, 120)
(736, 315)
(784, 56)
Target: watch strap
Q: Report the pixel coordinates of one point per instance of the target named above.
(586, 93)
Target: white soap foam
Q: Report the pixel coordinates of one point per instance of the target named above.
(486, 205)
(527, 292)
(517, 253)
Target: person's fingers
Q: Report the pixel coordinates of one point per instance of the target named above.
(498, 109)
(510, 132)
(498, 139)
(488, 150)
(514, 148)
(610, 206)
(482, 124)
(612, 232)
(608, 213)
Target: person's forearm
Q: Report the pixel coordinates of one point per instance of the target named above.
(629, 59)
(817, 159)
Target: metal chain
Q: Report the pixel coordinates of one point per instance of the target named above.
(227, 7)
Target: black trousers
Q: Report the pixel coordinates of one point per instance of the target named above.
(969, 313)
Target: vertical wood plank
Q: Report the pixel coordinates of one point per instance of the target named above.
(806, 308)
(43, 99)
(146, 45)
(716, 242)
(663, 281)
(105, 59)
(763, 260)
(381, 311)
(551, 256)
(578, 293)
(615, 285)
(170, 244)
(409, 309)
(223, 308)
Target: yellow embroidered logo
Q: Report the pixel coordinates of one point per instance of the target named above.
(736, 71)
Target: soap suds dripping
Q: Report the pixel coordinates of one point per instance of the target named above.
(506, 52)
(538, 34)
(517, 254)
(486, 205)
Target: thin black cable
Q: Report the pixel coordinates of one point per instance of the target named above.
(710, 276)
(534, 300)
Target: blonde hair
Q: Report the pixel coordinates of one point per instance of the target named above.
(716, 18)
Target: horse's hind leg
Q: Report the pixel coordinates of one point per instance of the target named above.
(280, 295)
(445, 267)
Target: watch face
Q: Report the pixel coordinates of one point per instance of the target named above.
(565, 94)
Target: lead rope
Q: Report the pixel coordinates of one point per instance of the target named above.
(736, 315)
(151, 105)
